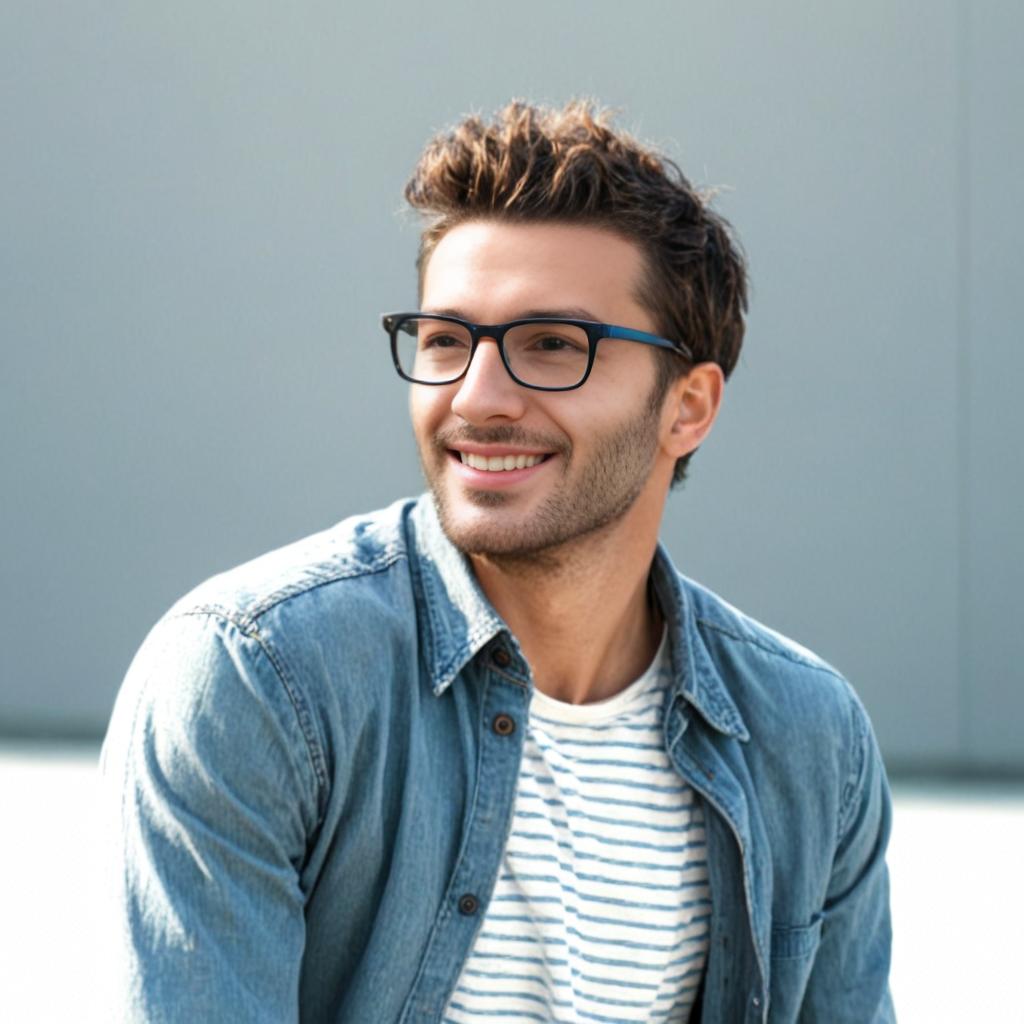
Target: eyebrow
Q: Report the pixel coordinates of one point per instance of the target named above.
(566, 313)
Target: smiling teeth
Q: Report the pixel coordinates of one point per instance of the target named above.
(499, 463)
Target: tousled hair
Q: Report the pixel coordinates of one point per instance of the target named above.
(533, 164)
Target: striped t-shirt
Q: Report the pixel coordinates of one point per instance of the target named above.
(602, 907)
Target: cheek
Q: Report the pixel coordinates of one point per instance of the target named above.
(584, 419)
(425, 409)
(428, 408)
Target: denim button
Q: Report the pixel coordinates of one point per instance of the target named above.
(501, 658)
(468, 904)
(503, 725)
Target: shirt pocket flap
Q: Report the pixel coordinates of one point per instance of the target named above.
(793, 942)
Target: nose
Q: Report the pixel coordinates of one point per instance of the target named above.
(487, 392)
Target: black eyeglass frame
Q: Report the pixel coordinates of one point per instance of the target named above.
(595, 332)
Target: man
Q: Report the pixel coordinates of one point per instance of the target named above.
(487, 755)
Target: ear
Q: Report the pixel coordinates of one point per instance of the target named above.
(691, 406)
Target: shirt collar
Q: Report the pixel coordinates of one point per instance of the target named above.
(698, 680)
(459, 621)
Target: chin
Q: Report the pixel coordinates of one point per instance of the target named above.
(478, 526)
(541, 537)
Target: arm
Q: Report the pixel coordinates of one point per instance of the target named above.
(211, 789)
(850, 978)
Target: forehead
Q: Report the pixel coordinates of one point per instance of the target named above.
(493, 270)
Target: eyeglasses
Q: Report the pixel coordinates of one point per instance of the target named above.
(545, 353)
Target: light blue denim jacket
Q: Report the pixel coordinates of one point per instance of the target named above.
(310, 764)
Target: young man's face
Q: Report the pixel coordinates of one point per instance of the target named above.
(598, 444)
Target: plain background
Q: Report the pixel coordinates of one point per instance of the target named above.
(200, 223)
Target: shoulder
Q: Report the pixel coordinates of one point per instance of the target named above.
(720, 621)
(804, 719)
(771, 677)
(322, 622)
(271, 641)
(347, 562)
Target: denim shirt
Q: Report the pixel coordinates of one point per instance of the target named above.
(311, 768)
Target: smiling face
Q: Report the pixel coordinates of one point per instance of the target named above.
(515, 471)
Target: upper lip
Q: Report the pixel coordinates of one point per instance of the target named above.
(471, 448)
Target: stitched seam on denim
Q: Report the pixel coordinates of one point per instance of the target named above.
(855, 780)
(424, 1003)
(464, 653)
(241, 622)
(718, 709)
(128, 746)
(245, 621)
(515, 680)
(794, 942)
(423, 585)
(305, 719)
(346, 572)
(441, 662)
(298, 703)
(780, 652)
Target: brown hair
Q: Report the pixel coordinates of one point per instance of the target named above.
(540, 164)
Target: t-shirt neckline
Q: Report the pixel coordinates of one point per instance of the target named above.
(611, 707)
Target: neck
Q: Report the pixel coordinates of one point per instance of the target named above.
(581, 612)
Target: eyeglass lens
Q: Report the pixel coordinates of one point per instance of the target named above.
(546, 355)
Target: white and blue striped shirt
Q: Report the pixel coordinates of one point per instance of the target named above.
(602, 907)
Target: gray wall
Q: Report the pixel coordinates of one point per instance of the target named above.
(200, 227)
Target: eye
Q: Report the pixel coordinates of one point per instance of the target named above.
(441, 340)
(554, 342)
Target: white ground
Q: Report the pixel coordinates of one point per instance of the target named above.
(956, 859)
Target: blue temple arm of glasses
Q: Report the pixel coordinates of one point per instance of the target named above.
(628, 334)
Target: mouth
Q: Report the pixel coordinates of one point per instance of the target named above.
(496, 467)
(499, 463)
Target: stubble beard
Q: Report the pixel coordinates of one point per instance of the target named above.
(608, 485)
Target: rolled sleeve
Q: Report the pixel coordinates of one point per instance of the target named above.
(212, 795)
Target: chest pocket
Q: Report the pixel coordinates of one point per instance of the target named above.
(793, 949)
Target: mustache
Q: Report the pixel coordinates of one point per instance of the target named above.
(509, 435)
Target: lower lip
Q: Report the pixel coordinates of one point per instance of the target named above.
(495, 479)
